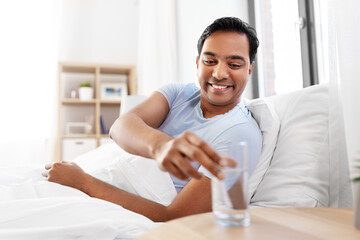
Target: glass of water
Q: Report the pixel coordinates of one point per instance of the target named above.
(229, 196)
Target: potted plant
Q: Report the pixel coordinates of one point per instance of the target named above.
(86, 91)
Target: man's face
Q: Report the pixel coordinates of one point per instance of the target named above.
(223, 69)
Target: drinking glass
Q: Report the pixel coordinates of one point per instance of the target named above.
(229, 196)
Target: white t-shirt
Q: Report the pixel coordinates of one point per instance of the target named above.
(185, 114)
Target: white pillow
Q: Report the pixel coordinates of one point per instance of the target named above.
(264, 113)
(134, 174)
(299, 171)
(130, 101)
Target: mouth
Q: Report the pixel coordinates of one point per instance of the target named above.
(219, 87)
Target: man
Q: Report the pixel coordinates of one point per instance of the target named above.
(180, 125)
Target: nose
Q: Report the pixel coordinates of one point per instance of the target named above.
(220, 71)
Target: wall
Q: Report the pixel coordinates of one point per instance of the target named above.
(193, 18)
(107, 31)
(28, 57)
(43, 32)
(99, 31)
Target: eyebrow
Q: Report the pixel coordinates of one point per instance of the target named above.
(229, 57)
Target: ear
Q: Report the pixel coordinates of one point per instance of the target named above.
(251, 67)
(197, 62)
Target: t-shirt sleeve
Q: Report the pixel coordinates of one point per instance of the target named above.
(171, 91)
(245, 132)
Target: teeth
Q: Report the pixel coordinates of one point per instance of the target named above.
(218, 87)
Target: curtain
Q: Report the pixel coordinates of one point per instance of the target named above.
(157, 51)
(342, 39)
(339, 39)
(348, 39)
(339, 162)
(28, 63)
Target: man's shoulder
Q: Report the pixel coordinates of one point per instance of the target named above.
(240, 113)
(177, 88)
(178, 93)
(241, 120)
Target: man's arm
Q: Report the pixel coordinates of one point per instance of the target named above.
(136, 132)
(194, 198)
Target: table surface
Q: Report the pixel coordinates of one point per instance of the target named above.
(266, 223)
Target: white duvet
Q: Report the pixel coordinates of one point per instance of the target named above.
(31, 208)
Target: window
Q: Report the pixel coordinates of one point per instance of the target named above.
(286, 59)
(322, 39)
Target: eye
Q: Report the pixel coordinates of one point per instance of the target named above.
(235, 65)
(209, 62)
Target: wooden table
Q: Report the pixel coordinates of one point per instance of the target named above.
(266, 223)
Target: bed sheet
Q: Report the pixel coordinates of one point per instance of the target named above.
(32, 208)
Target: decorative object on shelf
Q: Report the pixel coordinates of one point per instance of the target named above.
(78, 128)
(86, 92)
(102, 125)
(113, 91)
(73, 94)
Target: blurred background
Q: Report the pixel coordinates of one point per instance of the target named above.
(158, 37)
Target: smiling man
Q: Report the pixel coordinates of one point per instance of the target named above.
(223, 67)
(181, 125)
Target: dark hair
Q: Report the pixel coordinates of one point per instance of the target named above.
(231, 24)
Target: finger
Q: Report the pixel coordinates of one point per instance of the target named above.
(187, 168)
(175, 171)
(193, 138)
(227, 161)
(208, 150)
(45, 174)
(180, 158)
(213, 168)
(196, 153)
(48, 166)
(200, 156)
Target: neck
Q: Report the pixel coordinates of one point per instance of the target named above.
(210, 110)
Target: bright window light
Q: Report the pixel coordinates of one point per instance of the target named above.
(28, 75)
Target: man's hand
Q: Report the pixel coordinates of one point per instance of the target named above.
(175, 155)
(66, 173)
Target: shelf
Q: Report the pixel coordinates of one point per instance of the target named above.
(110, 102)
(74, 110)
(78, 68)
(79, 136)
(116, 70)
(69, 101)
(86, 136)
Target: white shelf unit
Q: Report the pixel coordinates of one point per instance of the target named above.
(74, 110)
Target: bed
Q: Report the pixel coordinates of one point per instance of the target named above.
(32, 208)
(303, 164)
